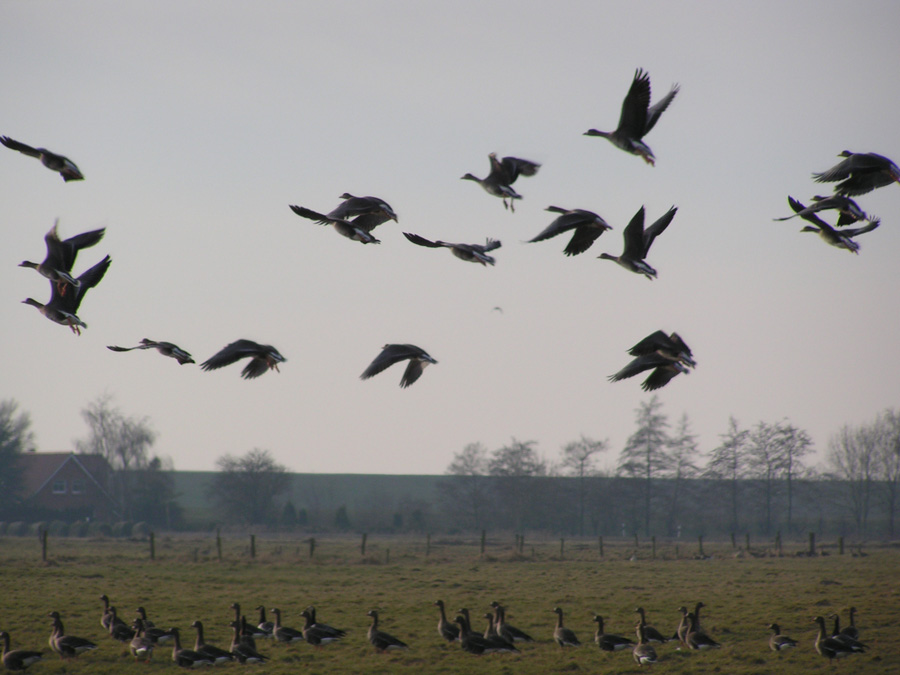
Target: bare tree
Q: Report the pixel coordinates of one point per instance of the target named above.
(763, 462)
(888, 424)
(465, 491)
(851, 453)
(247, 487)
(124, 442)
(683, 453)
(15, 438)
(578, 461)
(645, 454)
(515, 468)
(794, 445)
(727, 463)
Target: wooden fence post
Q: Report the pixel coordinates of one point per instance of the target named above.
(252, 545)
(562, 547)
(747, 540)
(700, 539)
(152, 545)
(812, 543)
(219, 543)
(428, 544)
(44, 545)
(841, 545)
(362, 547)
(521, 544)
(600, 542)
(653, 541)
(387, 555)
(483, 538)
(733, 541)
(778, 542)
(312, 546)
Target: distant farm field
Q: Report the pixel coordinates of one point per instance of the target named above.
(188, 581)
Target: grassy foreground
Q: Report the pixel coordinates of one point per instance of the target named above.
(186, 581)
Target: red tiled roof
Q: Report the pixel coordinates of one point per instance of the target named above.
(39, 467)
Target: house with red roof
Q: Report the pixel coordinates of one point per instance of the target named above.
(72, 486)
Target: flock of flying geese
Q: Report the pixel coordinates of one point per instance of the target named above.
(356, 218)
(142, 636)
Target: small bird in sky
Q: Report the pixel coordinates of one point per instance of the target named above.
(638, 117)
(57, 264)
(165, 348)
(262, 358)
(861, 172)
(587, 226)
(638, 241)
(394, 353)
(476, 253)
(63, 308)
(63, 165)
(504, 173)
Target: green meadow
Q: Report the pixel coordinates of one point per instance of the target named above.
(402, 576)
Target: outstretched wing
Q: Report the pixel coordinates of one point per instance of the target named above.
(657, 228)
(389, 355)
(633, 119)
(231, 353)
(659, 107)
(422, 241)
(21, 147)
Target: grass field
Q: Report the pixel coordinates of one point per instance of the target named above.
(187, 581)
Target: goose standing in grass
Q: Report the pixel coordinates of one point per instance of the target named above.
(837, 238)
(63, 308)
(446, 629)
(849, 210)
(61, 253)
(470, 641)
(141, 646)
(851, 631)
(17, 659)
(187, 658)
(383, 642)
(497, 642)
(345, 228)
(637, 118)
(610, 642)
(644, 654)
(683, 625)
(650, 633)
(107, 617)
(587, 226)
(316, 635)
(476, 253)
(64, 166)
(119, 630)
(283, 633)
(248, 633)
(241, 650)
(329, 630)
(842, 637)
(504, 173)
(638, 241)
(217, 654)
(165, 348)
(861, 172)
(505, 629)
(779, 642)
(564, 637)
(67, 646)
(264, 624)
(829, 646)
(156, 635)
(695, 638)
(394, 353)
(262, 358)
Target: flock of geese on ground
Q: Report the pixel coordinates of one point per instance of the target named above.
(356, 218)
(142, 636)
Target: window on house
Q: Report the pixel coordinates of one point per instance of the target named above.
(59, 487)
(77, 487)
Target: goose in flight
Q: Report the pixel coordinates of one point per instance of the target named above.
(638, 241)
(860, 172)
(394, 353)
(63, 308)
(837, 238)
(62, 165)
(638, 117)
(61, 253)
(504, 173)
(262, 358)
(164, 348)
(587, 226)
(476, 253)
(346, 228)
(849, 210)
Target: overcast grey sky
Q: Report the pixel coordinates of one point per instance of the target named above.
(196, 124)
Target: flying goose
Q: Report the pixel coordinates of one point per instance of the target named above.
(564, 636)
(61, 253)
(17, 659)
(861, 172)
(343, 227)
(64, 166)
(504, 173)
(314, 634)
(476, 253)
(638, 241)
(367, 212)
(837, 238)
(609, 642)
(283, 633)
(505, 629)
(644, 653)
(262, 358)
(394, 353)
(671, 346)
(241, 650)
(165, 348)
(664, 369)
(217, 654)
(67, 646)
(829, 646)
(141, 646)
(62, 308)
(650, 633)
(587, 226)
(187, 658)
(446, 630)
(777, 641)
(381, 640)
(849, 210)
(638, 117)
